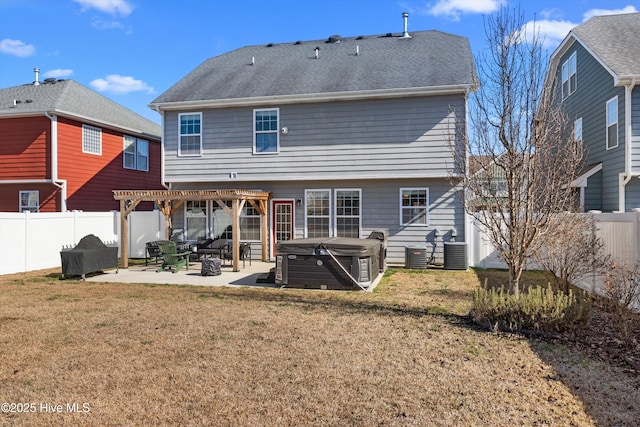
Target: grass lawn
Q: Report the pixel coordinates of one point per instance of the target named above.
(403, 355)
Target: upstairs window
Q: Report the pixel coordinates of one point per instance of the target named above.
(265, 131)
(569, 76)
(29, 201)
(136, 153)
(414, 206)
(91, 140)
(190, 134)
(612, 123)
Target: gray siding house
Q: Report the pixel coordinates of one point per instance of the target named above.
(349, 135)
(598, 68)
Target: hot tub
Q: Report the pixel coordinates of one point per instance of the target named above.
(328, 263)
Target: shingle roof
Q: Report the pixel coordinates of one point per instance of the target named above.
(354, 64)
(67, 97)
(615, 39)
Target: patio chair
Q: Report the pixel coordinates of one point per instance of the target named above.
(172, 259)
(245, 253)
(151, 251)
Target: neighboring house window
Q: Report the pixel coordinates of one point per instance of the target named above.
(136, 153)
(91, 140)
(577, 134)
(348, 213)
(190, 134)
(29, 201)
(414, 206)
(318, 203)
(612, 123)
(265, 131)
(577, 130)
(569, 76)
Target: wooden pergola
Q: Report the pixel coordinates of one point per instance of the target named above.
(170, 200)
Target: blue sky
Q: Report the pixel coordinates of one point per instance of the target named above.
(133, 50)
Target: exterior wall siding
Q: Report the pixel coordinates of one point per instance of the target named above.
(380, 210)
(91, 178)
(24, 149)
(406, 137)
(594, 88)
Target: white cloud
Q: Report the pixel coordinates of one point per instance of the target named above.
(554, 31)
(58, 73)
(550, 33)
(599, 12)
(17, 48)
(106, 25)
(118, 84)
(113, 7)
(454, 8)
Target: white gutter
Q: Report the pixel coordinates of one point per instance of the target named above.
(629, 82)
(313, 97)
(162, 139)
(60, 183)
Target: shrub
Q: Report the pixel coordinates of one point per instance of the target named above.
(622, 289)
(537, 308)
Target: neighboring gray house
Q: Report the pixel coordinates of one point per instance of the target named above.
(348, 135)
(598, 70)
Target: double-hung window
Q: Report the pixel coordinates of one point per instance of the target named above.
(265, 131)
(318, 203)
(414, 206)
(190, 134)
(29, 201)
(136, 153)
(569, 76)
(348, 213)
(340, 216)
(612, 123)
(91, 140)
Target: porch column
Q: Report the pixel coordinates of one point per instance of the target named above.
(236, 234)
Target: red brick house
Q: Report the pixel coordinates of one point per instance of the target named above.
(65, 147)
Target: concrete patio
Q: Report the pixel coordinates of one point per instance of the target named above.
(247, 276)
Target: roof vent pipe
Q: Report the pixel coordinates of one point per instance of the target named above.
(405, 33)
(37, 73)
(317, 51)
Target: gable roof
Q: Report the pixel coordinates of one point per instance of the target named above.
(71, 99)
(612, 39)
(385, 65)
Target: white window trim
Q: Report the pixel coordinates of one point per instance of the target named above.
(607, 125)
(306, 215)
(334, 212)
(99, 130)
(427, 220)
(180, 154)
(277, 131)
(21, 207)
(567, 63)
(136, 142)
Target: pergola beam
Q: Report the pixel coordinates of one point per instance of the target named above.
(170, 200)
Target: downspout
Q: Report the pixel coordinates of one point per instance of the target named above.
(625, 177)
(60, 183)
(162, 139)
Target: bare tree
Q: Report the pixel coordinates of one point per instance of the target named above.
(522, 153)
(570, 249)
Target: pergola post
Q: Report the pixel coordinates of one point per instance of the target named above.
(124, 234)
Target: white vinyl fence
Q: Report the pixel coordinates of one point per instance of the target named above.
(620, 233)
(33, 241)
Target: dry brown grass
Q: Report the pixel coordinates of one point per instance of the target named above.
(403, 355)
